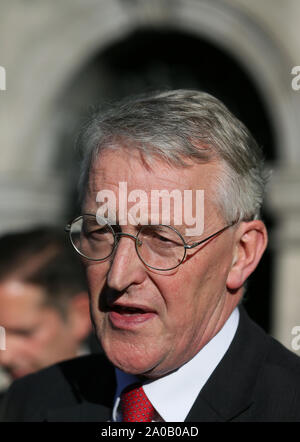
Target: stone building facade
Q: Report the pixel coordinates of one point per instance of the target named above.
(46, 46)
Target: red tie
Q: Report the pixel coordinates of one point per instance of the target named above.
(135, 406)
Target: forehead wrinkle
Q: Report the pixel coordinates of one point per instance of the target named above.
(131, 170)
(141, 178)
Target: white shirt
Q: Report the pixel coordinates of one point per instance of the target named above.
(174, 395)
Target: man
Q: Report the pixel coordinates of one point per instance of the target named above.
(44, 306)
(166, 277)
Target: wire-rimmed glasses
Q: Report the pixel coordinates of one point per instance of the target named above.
(160, 247)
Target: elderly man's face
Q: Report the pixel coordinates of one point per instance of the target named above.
(152, 322)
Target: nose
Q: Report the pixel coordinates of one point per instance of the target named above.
(126, 267)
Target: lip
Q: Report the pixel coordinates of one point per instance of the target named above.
(129, 321)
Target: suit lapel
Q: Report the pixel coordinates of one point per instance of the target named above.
(93, 391)
(228, 392)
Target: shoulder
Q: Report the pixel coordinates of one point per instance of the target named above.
(65, 383)
(276, 391)
(278, 362)
(280, 376)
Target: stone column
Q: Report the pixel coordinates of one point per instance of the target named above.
(29, 200)
(284, 199)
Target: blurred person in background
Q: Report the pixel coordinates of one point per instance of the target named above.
(44, 305)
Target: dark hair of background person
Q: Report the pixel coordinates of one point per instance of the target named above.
(42, 256)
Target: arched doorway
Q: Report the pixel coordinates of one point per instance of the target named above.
(150, 59)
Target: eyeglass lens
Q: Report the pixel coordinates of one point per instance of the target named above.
(159, 247)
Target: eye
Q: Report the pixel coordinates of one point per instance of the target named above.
(90, 230)
(163, 236)
(23, 333)
(93, 232)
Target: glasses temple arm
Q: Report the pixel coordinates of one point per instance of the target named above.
(195, 244)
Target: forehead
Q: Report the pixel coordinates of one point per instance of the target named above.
(124, 188)
(19, 301)
(122, 165)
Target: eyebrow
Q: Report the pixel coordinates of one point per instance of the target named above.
(22, 331)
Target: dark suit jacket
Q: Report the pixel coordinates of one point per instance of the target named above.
(257, 380)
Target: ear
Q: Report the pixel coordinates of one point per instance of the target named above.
(251, 239)
(79, 316)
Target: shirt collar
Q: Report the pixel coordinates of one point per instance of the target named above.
(174, 395)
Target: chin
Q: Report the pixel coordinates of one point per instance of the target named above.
(128, 358)
(130, 363)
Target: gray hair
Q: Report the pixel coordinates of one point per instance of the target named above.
(178, 125)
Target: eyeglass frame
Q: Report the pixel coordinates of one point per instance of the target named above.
(186, 246)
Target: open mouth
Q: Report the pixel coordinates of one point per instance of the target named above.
(122, 310)
(125, 317)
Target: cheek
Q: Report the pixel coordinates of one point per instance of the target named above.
(186, 292)
(34, 347)
(52, 333)
(96, 277)
(179, 295)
